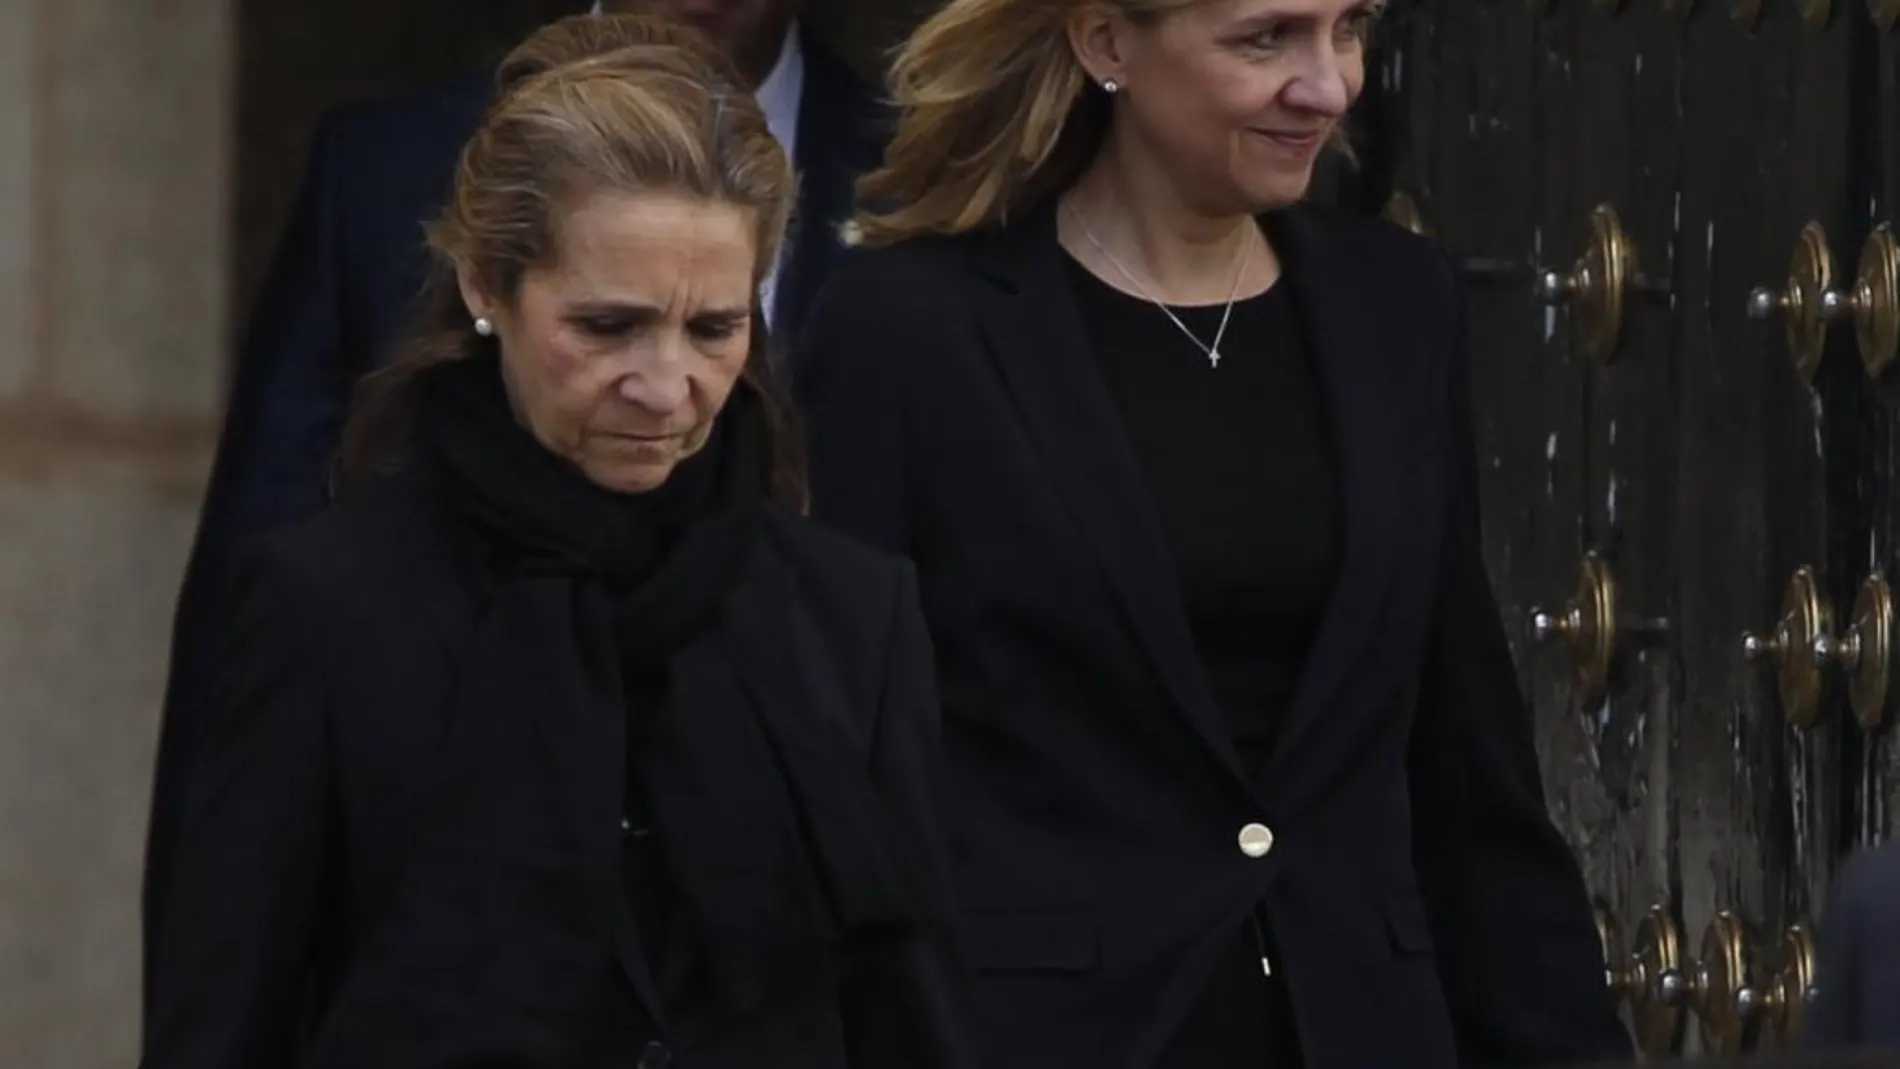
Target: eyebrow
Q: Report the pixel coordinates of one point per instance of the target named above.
(647, 312)
(1366, 7)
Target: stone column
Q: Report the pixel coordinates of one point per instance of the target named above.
(114, 156)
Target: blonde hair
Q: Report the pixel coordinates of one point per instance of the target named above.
(996, 112)
(586, 105)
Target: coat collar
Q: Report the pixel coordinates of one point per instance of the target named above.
(1041, 350)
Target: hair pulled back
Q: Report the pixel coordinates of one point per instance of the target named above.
(587, 105)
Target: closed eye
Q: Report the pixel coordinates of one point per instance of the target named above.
(605, 327)
(616, 322)
(718, 326)
(609, 320)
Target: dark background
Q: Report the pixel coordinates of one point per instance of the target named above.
(298, 60)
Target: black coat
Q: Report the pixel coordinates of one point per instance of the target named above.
(342, 282)
(1427, 913)
(301, 860)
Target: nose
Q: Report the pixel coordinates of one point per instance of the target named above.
(1322, 86)
(660, 384)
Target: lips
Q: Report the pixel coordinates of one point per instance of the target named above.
(646, 439)
(1293, 140)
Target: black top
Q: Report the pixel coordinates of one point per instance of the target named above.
(1238, 461)
(1110, 842)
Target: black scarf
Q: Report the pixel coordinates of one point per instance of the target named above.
(606, 634)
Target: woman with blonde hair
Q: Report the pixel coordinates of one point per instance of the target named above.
(560, 741)
(1239, 768)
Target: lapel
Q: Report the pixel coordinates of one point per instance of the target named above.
(1353, 346)
(1042, 352)
(840, 136)
(782, 833)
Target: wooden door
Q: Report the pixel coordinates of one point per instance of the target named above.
(1873, 763)
(1472, 79)
(1608, 137)
(1701, 467)
(1511, 168)
(1761, 527)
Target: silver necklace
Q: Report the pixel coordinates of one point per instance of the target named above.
(1240, 272)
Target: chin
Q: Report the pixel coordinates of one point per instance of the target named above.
(630, 478)
(1267, 193)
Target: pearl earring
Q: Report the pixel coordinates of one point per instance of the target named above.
(1111, 87)
(483, 327)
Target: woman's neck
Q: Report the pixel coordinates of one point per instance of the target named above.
(1122, 219)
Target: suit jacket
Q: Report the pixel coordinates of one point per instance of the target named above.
(320, 917)
(343, 280)
(1859, 967)
(1426, 912)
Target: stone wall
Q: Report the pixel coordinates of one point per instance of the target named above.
(114, 162)
(147, 153)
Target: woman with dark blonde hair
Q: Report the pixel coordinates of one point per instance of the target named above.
(560, 740)
(1241, 775)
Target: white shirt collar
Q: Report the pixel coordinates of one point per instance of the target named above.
(782, 91)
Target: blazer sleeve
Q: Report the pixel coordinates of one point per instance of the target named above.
(1496, 876)
(280, 430)
(854, 411)
(227, 987)
(908, 1008)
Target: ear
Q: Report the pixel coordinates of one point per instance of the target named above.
(473, 298)
(1097, 36)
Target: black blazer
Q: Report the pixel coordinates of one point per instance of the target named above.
(301, 855)
(1427, 913)
(341, 283)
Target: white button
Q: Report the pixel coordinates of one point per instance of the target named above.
(1256, 840)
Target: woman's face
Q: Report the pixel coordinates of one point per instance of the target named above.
(620, 353)
(1235, 99)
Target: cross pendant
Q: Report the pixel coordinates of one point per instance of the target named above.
(1213, 358)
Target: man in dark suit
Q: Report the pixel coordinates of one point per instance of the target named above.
(1858, 1001)
(351, 261)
